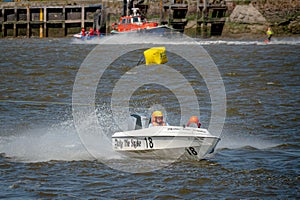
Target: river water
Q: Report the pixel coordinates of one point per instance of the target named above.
(44, 156)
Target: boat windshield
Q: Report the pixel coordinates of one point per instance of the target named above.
(124, 21)
(135, 19)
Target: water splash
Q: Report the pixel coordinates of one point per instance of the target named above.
(57, 142)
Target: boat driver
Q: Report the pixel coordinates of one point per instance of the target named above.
(157, 119)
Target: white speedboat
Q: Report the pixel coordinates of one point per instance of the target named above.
(164, 142)
(87, 36)
(78, 35)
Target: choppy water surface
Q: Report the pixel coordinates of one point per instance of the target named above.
(42, 155)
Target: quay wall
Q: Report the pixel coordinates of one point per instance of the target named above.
(252, 19)
(65, 17)
(37, 19)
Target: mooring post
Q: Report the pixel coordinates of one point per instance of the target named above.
(82, 16)
(3, 27)
(161, 11)
(41, 20)
(169, 15)
(203, 25)
(197, 18)
(45, 22)
(28, 21)
(64, 21)
(15, 23)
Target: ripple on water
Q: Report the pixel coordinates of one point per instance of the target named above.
(258, 156)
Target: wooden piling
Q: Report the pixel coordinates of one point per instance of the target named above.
(46, 21)
(211, 18)
(41, 26)
(28, 21)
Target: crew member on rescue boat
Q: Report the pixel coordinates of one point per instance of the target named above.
(91, 33)
(82, 32)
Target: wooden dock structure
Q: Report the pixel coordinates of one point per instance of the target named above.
(211, 18)
(47, 21)
(39, 19)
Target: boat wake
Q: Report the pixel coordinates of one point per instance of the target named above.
(275, 41)
(136, 38)
(241, 141)
(180, 39)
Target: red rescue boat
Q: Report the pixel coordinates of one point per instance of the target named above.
(132, 23)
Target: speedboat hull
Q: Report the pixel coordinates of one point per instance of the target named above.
(78, 35)
(87, 37)
(168, 142)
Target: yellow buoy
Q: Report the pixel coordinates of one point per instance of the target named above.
(155, 55)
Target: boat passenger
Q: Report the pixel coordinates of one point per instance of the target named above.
(91, 33)
(82, 32)
(98, 33)
(194, 122)
(157, 119)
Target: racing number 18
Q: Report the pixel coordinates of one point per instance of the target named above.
(149, 143)
(191, 151)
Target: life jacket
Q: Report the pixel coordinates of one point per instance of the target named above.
(269, 32)
(83, 32)
(91, 32)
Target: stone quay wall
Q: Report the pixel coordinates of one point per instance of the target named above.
(244, 18)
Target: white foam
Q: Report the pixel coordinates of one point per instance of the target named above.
(57, 142)
(180, 39)
(230, 141)
(43, 145)
(134, 38)
(275, 41)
